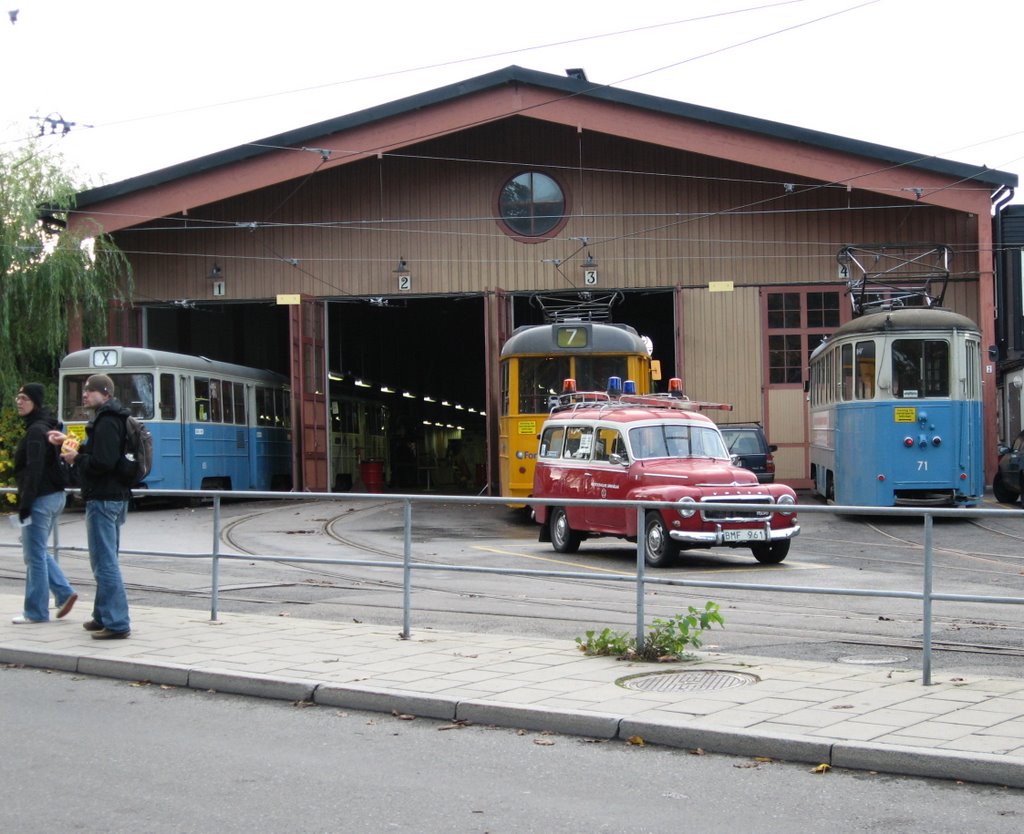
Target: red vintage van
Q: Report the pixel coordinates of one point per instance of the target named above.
(653, 448)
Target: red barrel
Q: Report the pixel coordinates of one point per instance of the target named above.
(372, 472)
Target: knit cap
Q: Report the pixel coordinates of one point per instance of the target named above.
(100, 382)
(34, 391)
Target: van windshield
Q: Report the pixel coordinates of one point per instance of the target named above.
(676, 440)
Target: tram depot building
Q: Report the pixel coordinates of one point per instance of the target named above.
(382, 258)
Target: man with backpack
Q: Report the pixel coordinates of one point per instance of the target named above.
(95, 467)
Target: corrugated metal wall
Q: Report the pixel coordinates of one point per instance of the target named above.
(654, 218)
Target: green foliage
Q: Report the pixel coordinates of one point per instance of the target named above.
(665, 639)
(48, 279)
(11, 430)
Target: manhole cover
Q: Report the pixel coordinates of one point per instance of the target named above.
(872, 659)
(704, 679)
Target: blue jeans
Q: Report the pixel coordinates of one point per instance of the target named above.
(103, 520)
(42, 573)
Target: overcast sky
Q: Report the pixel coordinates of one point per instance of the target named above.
(162, 83)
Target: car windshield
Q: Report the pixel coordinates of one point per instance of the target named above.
(676, 440)
(742, 442)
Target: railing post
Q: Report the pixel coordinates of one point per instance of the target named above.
(926, 639)
(215, 572)
(407, 572)
(641, 564)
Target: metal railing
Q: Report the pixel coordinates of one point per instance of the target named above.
(641, 578)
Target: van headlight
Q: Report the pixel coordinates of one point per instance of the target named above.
(686, 507)
(786, 499)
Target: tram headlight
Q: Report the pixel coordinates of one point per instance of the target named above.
(936, 441)
(686, 507)
(788, 500)
(908, 442)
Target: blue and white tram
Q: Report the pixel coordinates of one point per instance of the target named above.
(896, 413)
(215, 425)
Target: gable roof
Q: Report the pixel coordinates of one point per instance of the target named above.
(565, 89)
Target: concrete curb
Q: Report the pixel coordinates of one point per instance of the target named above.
(593, 724)
(736, 742)
(375, 699)
(258, 686)
(915, 761)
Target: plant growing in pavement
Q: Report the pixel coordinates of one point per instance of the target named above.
(666, 639)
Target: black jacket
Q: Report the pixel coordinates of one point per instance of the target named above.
(38, 469)
(96, 464)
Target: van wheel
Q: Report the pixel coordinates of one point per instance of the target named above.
(563, 538)
(659, 549)
(1003, 494)
(771, 554)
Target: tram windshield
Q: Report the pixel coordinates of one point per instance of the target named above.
(540, 378)
(920, 368)
(134, 391)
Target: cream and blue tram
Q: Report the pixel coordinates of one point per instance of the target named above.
(215, 425)
(896, 411)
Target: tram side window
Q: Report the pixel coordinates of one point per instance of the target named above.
(215, 401)
(201, 387)
(865, 370)
(228, 398)
(241, 412)
(920, 368)
(847, 363)
(539, 380)
(168, 397)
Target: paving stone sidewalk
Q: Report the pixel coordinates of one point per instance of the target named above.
(969, 728)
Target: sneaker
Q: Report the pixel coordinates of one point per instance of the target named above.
(92, 625)
(21, 619)
(67, 605)
(107, 634)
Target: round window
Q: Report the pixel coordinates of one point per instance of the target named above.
(531, 204)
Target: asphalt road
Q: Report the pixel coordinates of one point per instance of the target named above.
(98, 755)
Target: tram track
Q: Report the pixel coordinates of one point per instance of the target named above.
(750, 620)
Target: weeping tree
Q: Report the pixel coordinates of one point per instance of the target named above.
(50, 272)
(50, 275)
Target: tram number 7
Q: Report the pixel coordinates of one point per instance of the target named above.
(922, 466)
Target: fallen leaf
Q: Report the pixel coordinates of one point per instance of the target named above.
(763, 759)
(283, 614)
(521, 732)
(698, 752)
(403, 716)
(822, 768)
(745, 764)
(303, 704)
(636, 741)
(842, 706)
(543, 742)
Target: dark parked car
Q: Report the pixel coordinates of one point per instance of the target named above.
(1007, 484)
(750, 449)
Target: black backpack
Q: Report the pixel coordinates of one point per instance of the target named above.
(137, 459)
